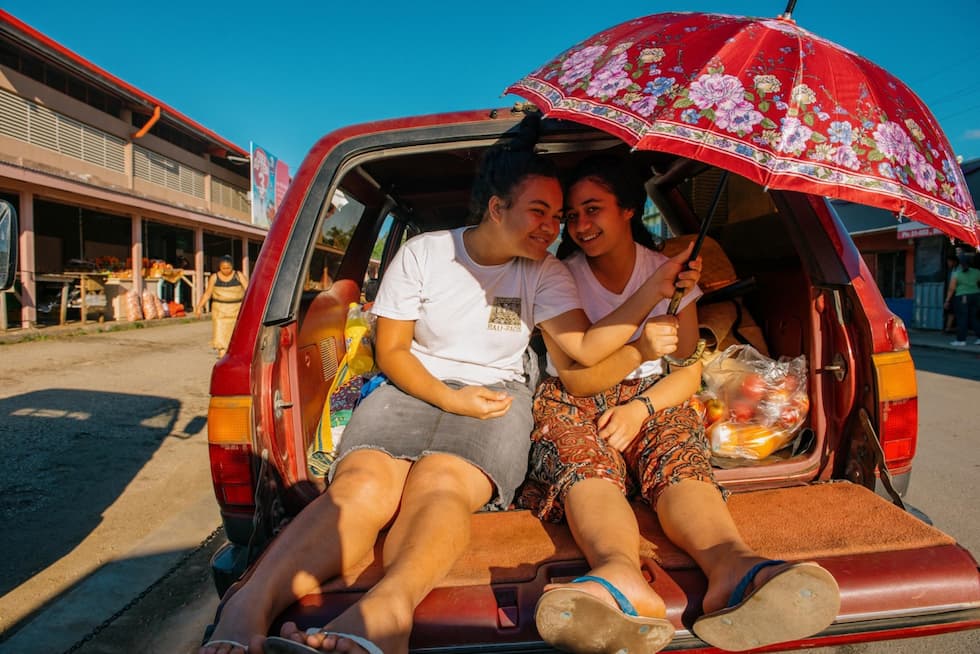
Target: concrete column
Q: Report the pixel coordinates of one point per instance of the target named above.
(198, 265)
(245, 261)
(28, 295)
(126, 115)
(136, 250)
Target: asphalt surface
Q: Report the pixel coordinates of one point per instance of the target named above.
(106, 486)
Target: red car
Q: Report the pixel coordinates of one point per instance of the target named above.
(797, 275)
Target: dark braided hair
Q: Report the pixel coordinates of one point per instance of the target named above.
(508, 163)
(616, 175)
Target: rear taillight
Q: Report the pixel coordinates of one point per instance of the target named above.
(898, 408)
(230, 449)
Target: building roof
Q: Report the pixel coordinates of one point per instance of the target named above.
(31, 39)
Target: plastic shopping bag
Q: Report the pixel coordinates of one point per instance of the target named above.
(753, 405)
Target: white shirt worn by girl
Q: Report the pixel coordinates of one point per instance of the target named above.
(599, 302)
(472, 322)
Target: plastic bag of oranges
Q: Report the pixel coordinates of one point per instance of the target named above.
(753, 405)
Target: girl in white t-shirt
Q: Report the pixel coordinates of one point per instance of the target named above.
(624, 428)
(449, 433)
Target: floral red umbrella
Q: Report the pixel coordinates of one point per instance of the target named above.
(765, 99)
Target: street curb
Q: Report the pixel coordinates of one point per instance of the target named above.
(64, 332)
(939, 340)
(970, 349)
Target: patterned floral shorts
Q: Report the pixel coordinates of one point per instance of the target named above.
(566, 448)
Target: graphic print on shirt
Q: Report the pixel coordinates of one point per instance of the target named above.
(505, 315)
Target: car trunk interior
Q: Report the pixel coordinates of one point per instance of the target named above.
(771, 294)
(786, 505)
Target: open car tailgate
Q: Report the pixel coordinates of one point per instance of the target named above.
(898, 576)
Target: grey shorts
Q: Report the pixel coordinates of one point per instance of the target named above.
(406, 427)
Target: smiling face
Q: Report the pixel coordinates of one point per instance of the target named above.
(595, 220)
(530, 219)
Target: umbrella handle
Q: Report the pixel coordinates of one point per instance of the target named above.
(790, 6)
(675, 300)
(688, 361)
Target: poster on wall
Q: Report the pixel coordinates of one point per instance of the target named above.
(270, 177)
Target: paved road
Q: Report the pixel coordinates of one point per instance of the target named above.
(944, 480)
(106, 480)
(169, 451)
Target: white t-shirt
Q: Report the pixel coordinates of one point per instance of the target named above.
(599, 302)
(472, 322)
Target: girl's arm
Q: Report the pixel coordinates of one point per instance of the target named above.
(589, 344)
(243, 280)
(659, 337)
(620, 424)
(393, 354)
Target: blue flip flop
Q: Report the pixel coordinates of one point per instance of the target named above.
(799, 600)
(573, 620)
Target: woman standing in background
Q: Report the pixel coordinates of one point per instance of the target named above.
(963, 296)
(226, 288)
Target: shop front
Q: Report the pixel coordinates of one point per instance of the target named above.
(100, 261)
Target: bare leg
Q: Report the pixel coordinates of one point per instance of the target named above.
(431, 531)
(694, 516)
(332, 533)
(605, 528)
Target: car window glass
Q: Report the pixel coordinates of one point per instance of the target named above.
(654, 221)
(390, 229)
(332, 242)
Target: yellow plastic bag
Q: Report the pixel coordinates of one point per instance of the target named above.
(358, 360)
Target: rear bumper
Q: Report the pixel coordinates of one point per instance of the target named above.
(227, 565)
(835, 635)
(862, 631)
(899, 482)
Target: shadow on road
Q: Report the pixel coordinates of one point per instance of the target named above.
(67, 456)
(135, 604)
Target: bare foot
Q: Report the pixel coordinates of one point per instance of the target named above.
(385, 621)
(630, 581)
(238, 626)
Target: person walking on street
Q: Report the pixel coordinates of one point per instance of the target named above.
(964, 298)
(226, 289)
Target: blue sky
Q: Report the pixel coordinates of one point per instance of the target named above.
(283, 76)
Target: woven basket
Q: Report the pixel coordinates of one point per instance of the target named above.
(717, 321)
(716, 271)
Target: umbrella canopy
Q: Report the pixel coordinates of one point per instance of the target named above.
(765, 99)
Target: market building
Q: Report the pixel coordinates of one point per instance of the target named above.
(116, 191)
(909, 260)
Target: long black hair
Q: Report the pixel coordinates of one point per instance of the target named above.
(616, 175)
(505, 165)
